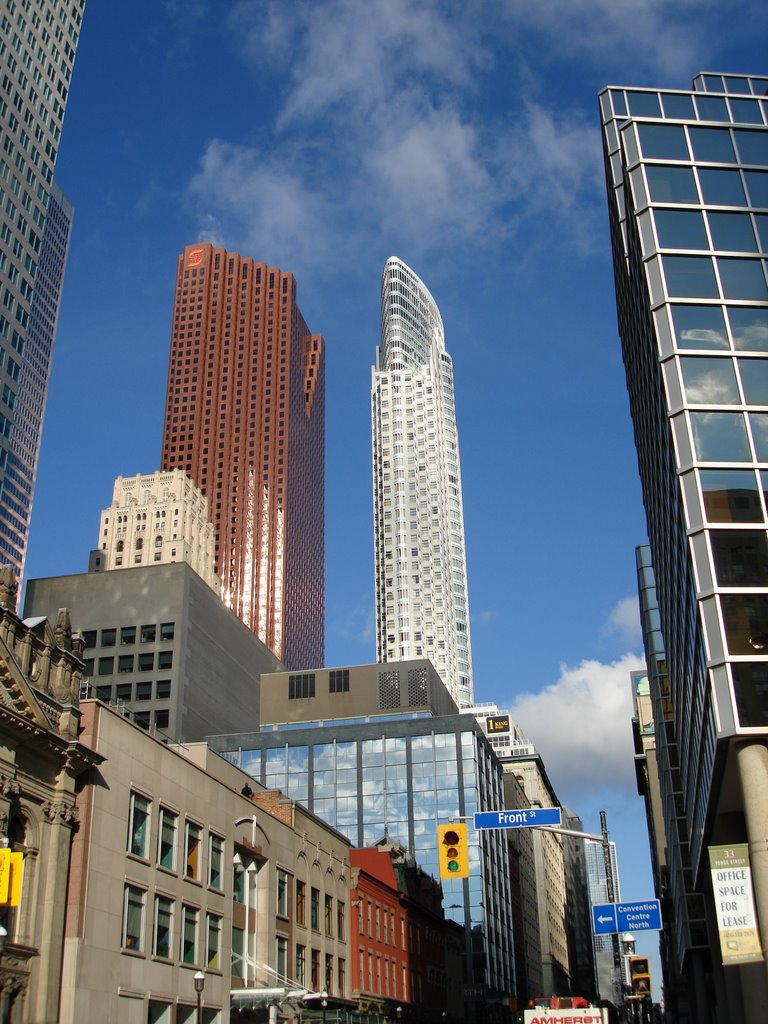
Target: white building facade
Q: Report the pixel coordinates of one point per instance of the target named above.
(422, 606)
(157, 518)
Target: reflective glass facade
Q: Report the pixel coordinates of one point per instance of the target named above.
(687, 176)
(37, 52)
(401, 778)
(422, 604)
(245, 419)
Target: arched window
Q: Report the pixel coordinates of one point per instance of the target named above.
(119, 547)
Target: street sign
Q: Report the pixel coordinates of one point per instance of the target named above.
(608, 918)
(527, 818)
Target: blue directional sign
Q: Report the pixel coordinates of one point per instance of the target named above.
(518, 819)
(608, 918)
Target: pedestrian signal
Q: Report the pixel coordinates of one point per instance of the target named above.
(640, 975)
(453, 854)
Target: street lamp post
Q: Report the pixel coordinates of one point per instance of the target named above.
(399, 1013)
(199, 980)
(324, 1001)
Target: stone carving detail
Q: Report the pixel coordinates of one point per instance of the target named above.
(9, 587)
(9, 786)
(59, 810)
(62, 630)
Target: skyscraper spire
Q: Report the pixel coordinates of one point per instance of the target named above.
(422, 607)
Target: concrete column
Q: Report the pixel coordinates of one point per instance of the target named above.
(753, 773)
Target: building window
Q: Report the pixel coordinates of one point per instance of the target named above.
(125, 663)
(167, 630)
(301, 902)
(328, 916)
(106, 666)
(189, 920)
(301, 954)
(138, 825)
(163, 691)
(162, 719)
(108, 637)
(282, 893)
(281, 958)
(89, 637)
(213, 941)
(165, 659)
(141, 718)
(148, 634)
(215, 859)
(146, 662)
(166, 839)
(128, 635)
(161, 945)
(191, 850)
(238, 949)
(328, 972)
(338, 680)
(315, 954)
(301, 686)
(104, 693)
(144, 691)
(340, 912)
(342, 975)
(133, 918)
(314, 910)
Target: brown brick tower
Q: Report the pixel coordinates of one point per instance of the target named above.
(245, 419)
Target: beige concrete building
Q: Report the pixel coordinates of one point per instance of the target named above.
(41, 758)
(184, 865)
(157, 518)
(361, 691)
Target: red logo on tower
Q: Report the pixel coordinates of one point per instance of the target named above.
(194, 257)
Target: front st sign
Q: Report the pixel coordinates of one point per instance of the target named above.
(530, 817)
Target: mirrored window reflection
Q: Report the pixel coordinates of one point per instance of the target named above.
(752, 146)
(712, 108)
(749, 327)
(740, 557)
(734, 84)
(671, 184)
(690, 276)
(618, 101)
(746, 622)
(742, 278)
(757, 186)
(730, 496)
(754, 380)
(720, 437)
(758, 422)
(746, 111)
(750, 688)
(643, 104)
(713, 83)
(721, 187)
(761, 220)
(709, 381)
(712, 145)
(680, 229)
(663, 141)
(699, 326)
(678, 106)
(732, 232)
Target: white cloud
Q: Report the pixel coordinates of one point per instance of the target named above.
(581, 726)
(623, 622)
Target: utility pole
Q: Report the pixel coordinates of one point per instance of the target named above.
(611, 890)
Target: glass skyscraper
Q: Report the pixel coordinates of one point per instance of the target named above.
(422, 605)
(687, 175)
(245, 419)
(37, 50)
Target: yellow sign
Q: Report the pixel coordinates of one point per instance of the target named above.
(17, 870)
(734, 904)
(497, 723)
(5, 875)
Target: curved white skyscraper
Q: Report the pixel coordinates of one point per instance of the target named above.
(422, 608)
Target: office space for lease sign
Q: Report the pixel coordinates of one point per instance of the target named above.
(735, 904)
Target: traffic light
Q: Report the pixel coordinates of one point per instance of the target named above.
(640, 975)
(452, 850)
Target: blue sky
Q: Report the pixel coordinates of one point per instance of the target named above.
(464, 138)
